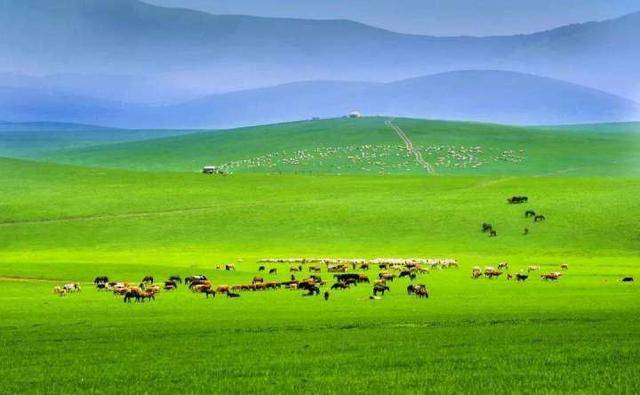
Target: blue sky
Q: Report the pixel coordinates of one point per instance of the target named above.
(436, 17)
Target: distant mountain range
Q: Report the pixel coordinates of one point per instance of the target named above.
(488, 96)
(165, 55)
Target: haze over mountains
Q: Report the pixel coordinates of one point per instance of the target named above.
(82, 60)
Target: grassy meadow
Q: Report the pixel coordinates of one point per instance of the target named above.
(335, 188)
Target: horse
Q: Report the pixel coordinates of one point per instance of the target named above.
(539, 218)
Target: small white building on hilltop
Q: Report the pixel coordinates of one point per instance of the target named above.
(355, 114)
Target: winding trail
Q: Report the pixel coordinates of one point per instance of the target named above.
(409, 145)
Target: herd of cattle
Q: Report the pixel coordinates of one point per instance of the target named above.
(344, 274)
(390, 269)
(503, 267)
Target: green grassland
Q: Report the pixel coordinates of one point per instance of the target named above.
(131, 209)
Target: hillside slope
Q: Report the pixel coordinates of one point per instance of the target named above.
(370, 146)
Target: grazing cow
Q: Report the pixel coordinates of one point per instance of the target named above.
(406, 273)
(521, 277)
(195, 283)
(170, 285)
(326, 295)
(346, 276)
(491, 272)
(312, 290)
(101, 280)
(364, 266)
(273, 271)
(261, 269)
(257, 279)
(627, 279)
(201, 287)
(148, 279)
(295, 269)
(209, 292)
(533, 268)
(222, 289)
(476, 273)
(493, 233)
(539, 218)
(517, 199)
(422, 293)
(564, 266)
(503, 265)
(386, 276)
(133, 293)
(190, 279)
(230, 267)
(412, 288)
(529, 213)
(380, 289)
(362, 278)
(72, 287)
(59, 291)
(147, 295)
(486, 227)
(232, 295)
(340, 285)
(551, 276)
(176, 279)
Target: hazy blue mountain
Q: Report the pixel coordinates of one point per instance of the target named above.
(198, 52)
(491, 96)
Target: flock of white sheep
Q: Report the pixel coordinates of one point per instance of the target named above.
(375, 159)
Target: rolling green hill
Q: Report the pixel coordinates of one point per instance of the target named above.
(369, 146)
(35, 140)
